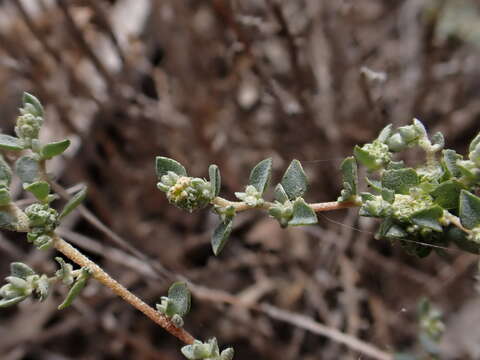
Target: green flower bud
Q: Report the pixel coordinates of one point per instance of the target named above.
(404, 206)
(41, 215)
(28, 127)
(396, 143)
(251, 196)
(282, 212)
(186, 193)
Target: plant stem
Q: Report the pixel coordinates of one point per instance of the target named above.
(100, 275)
(317, 207)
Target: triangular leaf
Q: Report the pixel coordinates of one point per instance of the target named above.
(385, 133)
(30, 99)
(447, 194)
(215, 179)
(469, 209)
(220, 236)
(5, 172)
(55, 148)
(163, 165)
(428, 218)
(260, 175)
(8, 142)
(27, 169)
(474, 143)
(400, 180)
(303, 214)
(180, 296)
(74, 202)
(294, 180)
(280, 194)
(40, 189)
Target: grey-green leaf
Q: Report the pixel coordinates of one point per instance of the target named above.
(5, 197)
(21, 270)
(294, 180)
(449, 162)
(55, 148)
(280, 194)
(163, 165)
(428, 218)
(474, 143)
(180, 296)
(10, 302)
(400, 180)
(75, 201)
(5, 172)
(303, 214)
(447, 194)
(469, 209)
(215, 179)
(220, 236)
(7, 220)
(75, 290)
(260, 175)
(385, 133)
(30, 99)
(8, 142)
(40, 189)
(350, 179)
(27, 169)
(366, 159)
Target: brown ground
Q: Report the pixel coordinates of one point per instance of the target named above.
(230, 83)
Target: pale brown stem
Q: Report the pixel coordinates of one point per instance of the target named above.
(317, 207)
(101, 276)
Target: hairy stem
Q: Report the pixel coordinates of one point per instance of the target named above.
(317, 207)
(100, 275)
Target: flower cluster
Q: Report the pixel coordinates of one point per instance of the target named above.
(186, 192)
(43, 220)
(206, 351)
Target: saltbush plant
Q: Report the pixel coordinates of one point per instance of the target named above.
(422, 206)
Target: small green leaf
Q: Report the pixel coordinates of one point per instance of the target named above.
(27, 169)
(180, 296)
(385, 133)
(163, 165)
(5, 197)
(474, 143)
(400, 180)
(469, 209)
(75, 289)
(449, 162)
(350, 179)
(260, 175)
(447, 194)
(389, 230)
(10, 302)
(294, 180)
(55, 148)
(40, 189)
(374, 184)
(428, 218)
(388, 195)
(21, 270)
(74, 202)
(366, 159)
(8, 142)
(220, 236)
(5, 172)
(303, 214)
(280, 194)
(30, 99)
(7, 220)
(215, 179)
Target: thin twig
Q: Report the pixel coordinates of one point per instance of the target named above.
(101, 276)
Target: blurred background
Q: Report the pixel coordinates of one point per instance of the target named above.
(232, 82)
